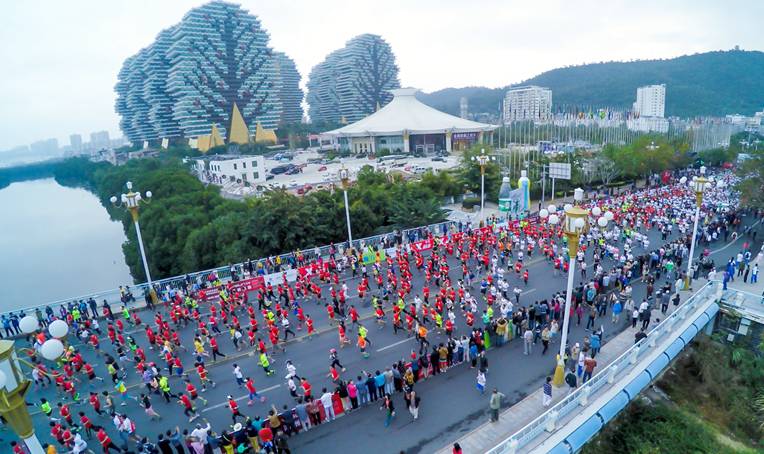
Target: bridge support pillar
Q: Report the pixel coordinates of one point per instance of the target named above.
(669, 325)
(551, 421)
(611, 374)
(635, 355)
(584, 399)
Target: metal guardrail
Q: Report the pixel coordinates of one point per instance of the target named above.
(620, 367)
(288, 260)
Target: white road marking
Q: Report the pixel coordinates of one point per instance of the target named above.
(261, 391)
(395, 344)
(528, 291)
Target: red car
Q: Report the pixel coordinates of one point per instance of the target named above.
(322, 168)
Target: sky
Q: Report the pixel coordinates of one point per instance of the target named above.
(60, 59)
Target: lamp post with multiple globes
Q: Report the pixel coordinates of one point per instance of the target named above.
(482, 159)
(699, 186)
(131, 201)
(576, 222)
(345, 178)
(14, 385)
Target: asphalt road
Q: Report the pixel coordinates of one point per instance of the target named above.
(450, 404)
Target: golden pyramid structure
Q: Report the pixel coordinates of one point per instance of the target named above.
(216, 139)
(239, 133)
(213, 139)
(203, 143)
(265, 135)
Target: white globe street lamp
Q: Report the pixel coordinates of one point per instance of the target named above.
(575, 224)
(28, 325)
(52, 349)
(14, 387)
(698, 185)
(131, 201)
(482, 159)
(58, 329)
(345, 178)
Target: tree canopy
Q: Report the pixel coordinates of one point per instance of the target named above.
(188, 226)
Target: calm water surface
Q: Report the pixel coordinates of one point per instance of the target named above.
(55, 243)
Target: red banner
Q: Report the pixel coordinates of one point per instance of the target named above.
(249, 285)
(424, 245)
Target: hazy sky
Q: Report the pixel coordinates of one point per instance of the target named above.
(60, 58)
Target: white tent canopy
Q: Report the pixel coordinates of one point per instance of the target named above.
(405, 113)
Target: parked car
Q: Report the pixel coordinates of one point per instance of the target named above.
(439, 159)
(322, 168)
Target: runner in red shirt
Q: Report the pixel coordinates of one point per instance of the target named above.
(234, 407)
(188, 407)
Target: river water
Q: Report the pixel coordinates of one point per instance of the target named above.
(55, 243)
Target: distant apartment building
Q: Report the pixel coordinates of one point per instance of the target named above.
(528, 103)
(291, 94)
(188, 80)
(99, 140)
(75, 141)
(352, 82)
(651, 101)
(44, 147)
(464, 107)
(220, 169)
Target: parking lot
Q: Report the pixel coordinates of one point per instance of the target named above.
(319, 175)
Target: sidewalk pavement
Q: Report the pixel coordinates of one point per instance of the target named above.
(516, 417)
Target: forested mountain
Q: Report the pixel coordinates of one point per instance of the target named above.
(711, 83)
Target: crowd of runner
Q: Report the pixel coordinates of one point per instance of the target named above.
(473, 277)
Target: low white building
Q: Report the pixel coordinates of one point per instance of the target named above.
(648, 124)
(219, 169)
(406, 125)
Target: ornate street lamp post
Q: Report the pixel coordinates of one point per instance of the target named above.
(698, 185)
(14, 385)
(482, 159)
(345, 178)
(575, 223)
(131, 201)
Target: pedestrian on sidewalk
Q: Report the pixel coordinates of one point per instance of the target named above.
(589, 365)
(547, 392)
(480, 382)
(527, 341)
(388, 406)
(755, 274)
(326, 401)
(495, 404)
(571, 380)
(412, 401)
(634, 318)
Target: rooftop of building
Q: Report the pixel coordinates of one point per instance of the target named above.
(406, 114)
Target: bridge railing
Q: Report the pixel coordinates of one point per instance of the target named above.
(113, 296)
(620, 367)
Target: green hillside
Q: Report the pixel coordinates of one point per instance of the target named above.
(711, 83)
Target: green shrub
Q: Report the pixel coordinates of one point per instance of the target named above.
(470, 202)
